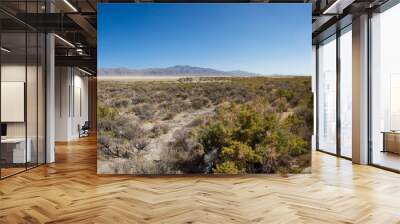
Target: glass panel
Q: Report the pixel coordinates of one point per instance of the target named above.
(327, 96)
(31, 88)
(385, 94)
(23, 90)
(13, 86)
(31, 98)
(346, 93)
(41, 98)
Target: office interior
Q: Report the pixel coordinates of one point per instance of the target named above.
(44, 100)
(359, 64)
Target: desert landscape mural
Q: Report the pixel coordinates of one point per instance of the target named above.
(182, 105)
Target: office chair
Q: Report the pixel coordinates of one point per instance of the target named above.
(84, 130)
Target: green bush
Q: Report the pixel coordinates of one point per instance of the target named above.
(227, 167)
(249, 139)
(213, 137)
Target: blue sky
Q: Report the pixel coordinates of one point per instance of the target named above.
(261, 38)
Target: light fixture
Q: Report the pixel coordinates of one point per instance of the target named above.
(79, 51)
(86, 72)
(70, 5)
(337, 7)
(65, 41)
(5, 50)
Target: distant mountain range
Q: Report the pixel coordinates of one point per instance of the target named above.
(178, 70)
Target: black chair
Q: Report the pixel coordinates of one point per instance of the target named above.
(84, 130)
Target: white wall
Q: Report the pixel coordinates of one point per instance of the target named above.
(17, 73)
(70, 83)
(33, 126)
(62, 82)
(14, 72)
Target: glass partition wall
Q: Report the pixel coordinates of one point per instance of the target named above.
(385, 89)
(334, 84)
(22, 98)
(327, 95)
(345, 91)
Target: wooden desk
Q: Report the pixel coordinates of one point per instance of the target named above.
(13, 150)
(391, 141)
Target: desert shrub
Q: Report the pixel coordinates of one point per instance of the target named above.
(199, 102)
(120, 103)
(227, 167)
(106, 118)
(168, 115)
(297, 146)
(103, 145)
(141, 144)
(124, 128)
(161, 96)
(197, 121)
(158, 129)
(247, 139)
(103, 139)
(241, 155)
(104, 112)
(145, 111)
(184, 153)
(182, 95)
(184, 140)
(137, 99)
(213, 137)
(139, 165)
(286, 93)
(112, 147)
(269, 158)
(281, 105)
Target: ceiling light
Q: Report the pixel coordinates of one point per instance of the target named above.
(79, 51)
(70, 5)
(5, 50)
(338, 6)
(86, 72)
(64, 40)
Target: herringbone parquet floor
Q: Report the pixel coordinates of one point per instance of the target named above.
(69, 191)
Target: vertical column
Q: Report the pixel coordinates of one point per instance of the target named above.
(338, 99)
(314, 90)
(360, 89)
(50, 98)
(50, 92)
